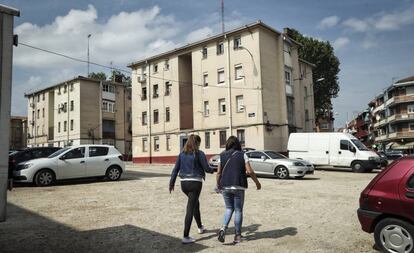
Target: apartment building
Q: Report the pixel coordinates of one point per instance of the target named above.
(80, 111)
(18, 132)
(248, 82)
(393, 116)
(361, 128)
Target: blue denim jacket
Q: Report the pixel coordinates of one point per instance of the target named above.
(187, 167)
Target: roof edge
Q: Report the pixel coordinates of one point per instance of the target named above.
(9, 10)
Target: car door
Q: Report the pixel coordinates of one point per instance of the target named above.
(257, 162)
(345, 156)
(407, 194)
(97, 161)
(72, 164)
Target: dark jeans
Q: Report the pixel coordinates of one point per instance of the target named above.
(192, 189)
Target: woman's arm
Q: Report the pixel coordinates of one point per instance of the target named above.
(204, 163)
(174, 174)
(251, 173)
(218, 175)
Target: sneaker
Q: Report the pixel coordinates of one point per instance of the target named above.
(202, 229)
(187, 240)
(238, 239)
(221, 235)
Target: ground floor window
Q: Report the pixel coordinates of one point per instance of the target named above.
(168, 139)
(223, 139)
(144, 144)
(207, 140)
(241, 136)
(156, 144)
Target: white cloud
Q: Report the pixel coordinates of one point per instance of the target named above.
(328, 22)
(199, 34)
(340, 42)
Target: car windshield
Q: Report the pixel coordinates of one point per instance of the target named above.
(60, 151)
(275, 155)
(359, 145)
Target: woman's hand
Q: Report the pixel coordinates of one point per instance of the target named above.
(171, 188)
(258, 185)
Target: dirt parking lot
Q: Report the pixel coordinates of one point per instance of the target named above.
(137, 214)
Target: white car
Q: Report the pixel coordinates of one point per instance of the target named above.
(272, 163)
(72, 162)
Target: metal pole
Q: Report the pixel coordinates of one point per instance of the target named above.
(222, 16)
(229, 87)
(89, 36)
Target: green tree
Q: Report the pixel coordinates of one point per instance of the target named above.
(98, 75)
(320, 53)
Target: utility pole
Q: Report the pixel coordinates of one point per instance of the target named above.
(89, 36)
(222, 16)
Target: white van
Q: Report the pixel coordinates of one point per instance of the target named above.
(333, 149)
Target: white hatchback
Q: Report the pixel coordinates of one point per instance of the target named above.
(72, 162)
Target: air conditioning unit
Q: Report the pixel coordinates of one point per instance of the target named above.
(142, 79)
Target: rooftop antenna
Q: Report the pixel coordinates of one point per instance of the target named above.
(222, 16)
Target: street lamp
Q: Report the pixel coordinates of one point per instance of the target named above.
(320, 80)
(89, 36)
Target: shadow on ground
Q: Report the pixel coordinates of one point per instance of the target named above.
(26, 231)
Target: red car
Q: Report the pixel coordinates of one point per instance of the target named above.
(387, 207)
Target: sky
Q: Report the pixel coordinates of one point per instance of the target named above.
(373, 39)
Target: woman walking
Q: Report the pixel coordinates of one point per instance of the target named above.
(232, 181)
(191, 166)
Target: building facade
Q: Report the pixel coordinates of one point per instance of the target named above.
(80, 111)
(18, 132)
(360, 127)
(248, 82)
(393, 116)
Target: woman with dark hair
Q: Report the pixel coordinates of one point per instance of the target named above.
(232, 181)
(191, 166)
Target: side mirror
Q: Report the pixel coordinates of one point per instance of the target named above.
(352, 149)
(263, 157)
(62, 158)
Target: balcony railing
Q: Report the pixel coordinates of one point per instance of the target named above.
(378, 108)
(400, 117)
(400, 99)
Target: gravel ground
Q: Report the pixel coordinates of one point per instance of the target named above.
(137, 214)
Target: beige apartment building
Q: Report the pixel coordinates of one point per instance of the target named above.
(393, 116)
(80, 111)
(248, 82)
(18, 132)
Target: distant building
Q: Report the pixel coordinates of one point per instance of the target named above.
(360, 127)
(393, 116)
(325, 123)
(80, 111)
(248, 82)
(18, 132)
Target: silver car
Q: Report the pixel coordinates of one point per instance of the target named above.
(214, 161)
(272, 163)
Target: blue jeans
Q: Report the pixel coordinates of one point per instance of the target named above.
(234, 200)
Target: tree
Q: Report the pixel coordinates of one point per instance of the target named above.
(98, 75)
(320, 53)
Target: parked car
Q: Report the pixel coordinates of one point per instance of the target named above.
(73, 162)
(272, 163)
(387, 207)
(214, 161)
(29, 154)
(333, 149)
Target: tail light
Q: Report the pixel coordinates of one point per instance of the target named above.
(364, 201)
(121, 157)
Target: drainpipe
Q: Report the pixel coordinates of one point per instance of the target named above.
(229, 86)
(149, 111)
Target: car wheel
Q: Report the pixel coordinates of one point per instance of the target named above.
(44, 178)
(113, 173)
(281, 172)
(394, 235)
(357, 167)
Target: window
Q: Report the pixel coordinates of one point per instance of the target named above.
(155, 91)
(166, 64)
(65, 126)
(240, 103)
(306, 115)
(38, 113)
(98, 151)
(58, 127)
(108, 88)
(288, 79)
(222, 106)
(207, 139)
(205, 79)
(238, 72)
(324, 126)
(65, 106)
(168, 86)
(255, 155)
(220, 76)
(237, 42)
(410, 108)
(65, 88)
(155, 68)
(108, 106)
(411, 127)
(345, 145)
(220, 48)
(43, 96)
(72, 105)
(206, 108)
(144, 144)
(37, 130)
(71, 125)
(223, 139)
(156, 117)
(167, 142)
(204, 52)
(143, 93)
(241, 137)
(71, 87)
(290, 103)
(156, 144)
(144, 118)
(167, 114)
(38, 97)
(75, 153)
(410, 183)
(43, 112)
(306, 92)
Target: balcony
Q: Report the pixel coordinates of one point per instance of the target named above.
(389, 101)
(378, 108)
(400, 117)
(381, 137)
(400, 99)
(401, 135)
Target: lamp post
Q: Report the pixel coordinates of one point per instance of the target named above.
(89, 36)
